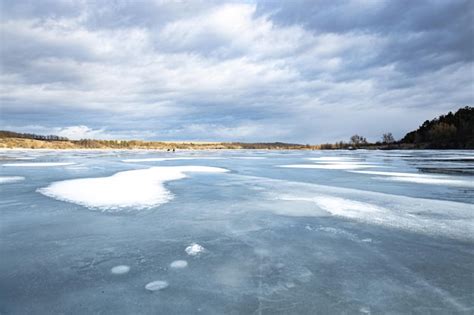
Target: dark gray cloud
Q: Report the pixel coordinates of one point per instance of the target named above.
(299, 71)
(420, 35)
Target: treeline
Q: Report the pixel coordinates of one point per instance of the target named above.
(360, 142)
(450, 131)
(11, 134)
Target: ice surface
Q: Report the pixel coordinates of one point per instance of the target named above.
(10, 179)
(138, 189)
(38, 164)
(156, 285)
(258, 239)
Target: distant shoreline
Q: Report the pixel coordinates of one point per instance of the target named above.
(169, 146)
(88, 144)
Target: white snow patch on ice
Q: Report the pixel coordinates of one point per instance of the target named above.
(156, 285)
(334, 163)
(250, 157)
(39, 164)
(343, 233)
(138, 189)
(170, 159)
(441, 158)
(332, 158)
(10, 179)
(120, 270)
(179, 264)
(433, 217)
(346, 207)
(194, 249)
(420, 178)
(331, 166)
(433, 181)
(399, 174)
(335, 206)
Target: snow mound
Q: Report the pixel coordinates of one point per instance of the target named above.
(120, 270)
(194, 249)
(156, 285)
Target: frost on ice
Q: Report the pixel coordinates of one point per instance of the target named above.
(194, 249)
(179, 264)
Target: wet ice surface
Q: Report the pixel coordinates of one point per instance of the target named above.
(362, 232)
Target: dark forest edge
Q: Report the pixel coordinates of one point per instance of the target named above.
(450, 131)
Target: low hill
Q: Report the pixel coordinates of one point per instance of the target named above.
(11, 134)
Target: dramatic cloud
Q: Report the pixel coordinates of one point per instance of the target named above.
(299, 71)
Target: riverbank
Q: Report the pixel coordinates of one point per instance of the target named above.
(23, 143)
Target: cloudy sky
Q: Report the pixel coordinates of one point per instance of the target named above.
(303, 71)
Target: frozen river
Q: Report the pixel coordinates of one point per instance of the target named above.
(236, 232)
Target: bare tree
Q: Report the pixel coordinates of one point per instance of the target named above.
(388, 138)
(356, 140)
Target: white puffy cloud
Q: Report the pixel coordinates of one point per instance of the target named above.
(81, 132)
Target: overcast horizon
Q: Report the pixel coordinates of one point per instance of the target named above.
(254, 71)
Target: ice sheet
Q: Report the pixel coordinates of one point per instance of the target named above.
(258, 239)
